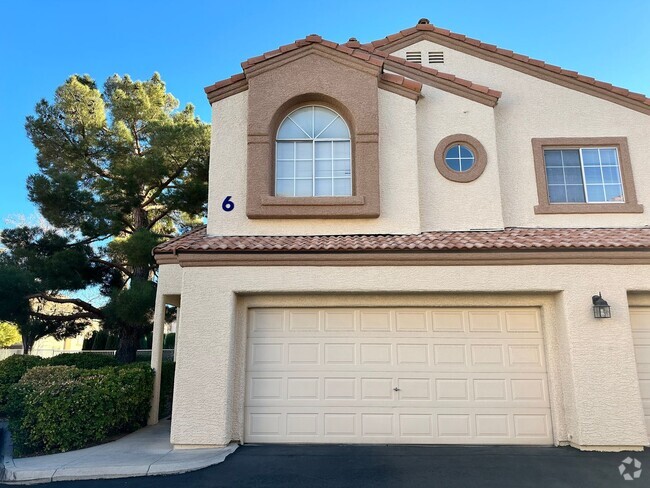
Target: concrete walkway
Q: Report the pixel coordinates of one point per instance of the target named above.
(143, 453)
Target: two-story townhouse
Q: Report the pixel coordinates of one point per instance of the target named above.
(403, 245)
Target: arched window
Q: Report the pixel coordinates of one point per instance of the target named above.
(312, 154)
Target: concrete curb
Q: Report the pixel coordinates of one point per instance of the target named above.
(143, 453)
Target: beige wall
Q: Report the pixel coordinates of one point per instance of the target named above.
(531, 108)
(398, 175)
(594, 386)
(448, 205)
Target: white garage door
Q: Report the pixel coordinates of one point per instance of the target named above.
(640, 319)
(379, 375)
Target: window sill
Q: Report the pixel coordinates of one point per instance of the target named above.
(316, 201)
(270, 207)
(588, 208)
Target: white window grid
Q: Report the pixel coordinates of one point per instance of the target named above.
(585, 185)
(464, 162)
(314, 179)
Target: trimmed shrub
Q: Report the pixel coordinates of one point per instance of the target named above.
(59, 408)
(11, 370)
(166, 388)
(82, 360)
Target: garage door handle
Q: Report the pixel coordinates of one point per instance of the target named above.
(396, 389)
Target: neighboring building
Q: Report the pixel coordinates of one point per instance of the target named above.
(396, 254)
(49, 345)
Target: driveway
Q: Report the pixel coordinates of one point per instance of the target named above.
(315, 466)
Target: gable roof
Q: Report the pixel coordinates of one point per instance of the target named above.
(508, 239)
(535, 67)
(378, 59)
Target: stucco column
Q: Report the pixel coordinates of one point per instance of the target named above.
(156, 355)
(203, 382)
(607, 402)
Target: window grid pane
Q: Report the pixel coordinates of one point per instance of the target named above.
(583, 175)
(602, 175)
(459, 158)
(318, 161)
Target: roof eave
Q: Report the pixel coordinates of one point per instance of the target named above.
(508, 58)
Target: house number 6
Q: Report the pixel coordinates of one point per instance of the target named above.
(228, 205)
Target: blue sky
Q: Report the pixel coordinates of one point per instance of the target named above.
(194, 43)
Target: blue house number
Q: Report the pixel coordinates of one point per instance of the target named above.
(228, 205)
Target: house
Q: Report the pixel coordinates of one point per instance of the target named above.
(405, 243)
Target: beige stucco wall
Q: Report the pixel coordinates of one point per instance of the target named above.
(448, 205)
(170, 279)
(530, 107)
(398, 175)
(594, 386)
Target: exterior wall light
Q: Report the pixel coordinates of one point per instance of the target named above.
(602, 310)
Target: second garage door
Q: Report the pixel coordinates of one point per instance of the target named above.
(640, 321)
(398, 375)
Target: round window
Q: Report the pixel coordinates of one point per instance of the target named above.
(459, 158)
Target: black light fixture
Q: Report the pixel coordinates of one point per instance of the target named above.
(602, 310)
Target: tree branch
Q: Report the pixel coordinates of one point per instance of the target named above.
(64, 318)
(74, 301)
(112, 265)
(155, 220)
(165, 184)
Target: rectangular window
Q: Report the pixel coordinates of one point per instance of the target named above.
(583, 175)
(313, 168)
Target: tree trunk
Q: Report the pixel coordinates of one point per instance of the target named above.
(28, 343)
(128, 345)
(130, 336)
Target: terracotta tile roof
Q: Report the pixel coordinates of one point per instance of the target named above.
(223, 83)
(509, 239)
(425, 26)
(353, 48)
(416, 86)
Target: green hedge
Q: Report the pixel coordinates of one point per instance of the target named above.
(59, 408)
(85, 360)
(14, 367)
(11, 370)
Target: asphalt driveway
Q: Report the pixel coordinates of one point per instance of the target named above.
(313, 466)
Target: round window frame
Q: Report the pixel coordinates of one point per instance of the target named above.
(480, 158)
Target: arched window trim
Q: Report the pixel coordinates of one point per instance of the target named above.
(313, 105)
(332, 185)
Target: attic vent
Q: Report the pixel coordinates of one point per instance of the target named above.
(436, 57)
(414, 56)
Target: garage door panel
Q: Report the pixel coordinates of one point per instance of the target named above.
(400, 375)
(397, 425)
(640, 323)
(642, 354)
(377, 321)
(434, 390)
(377, 354)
